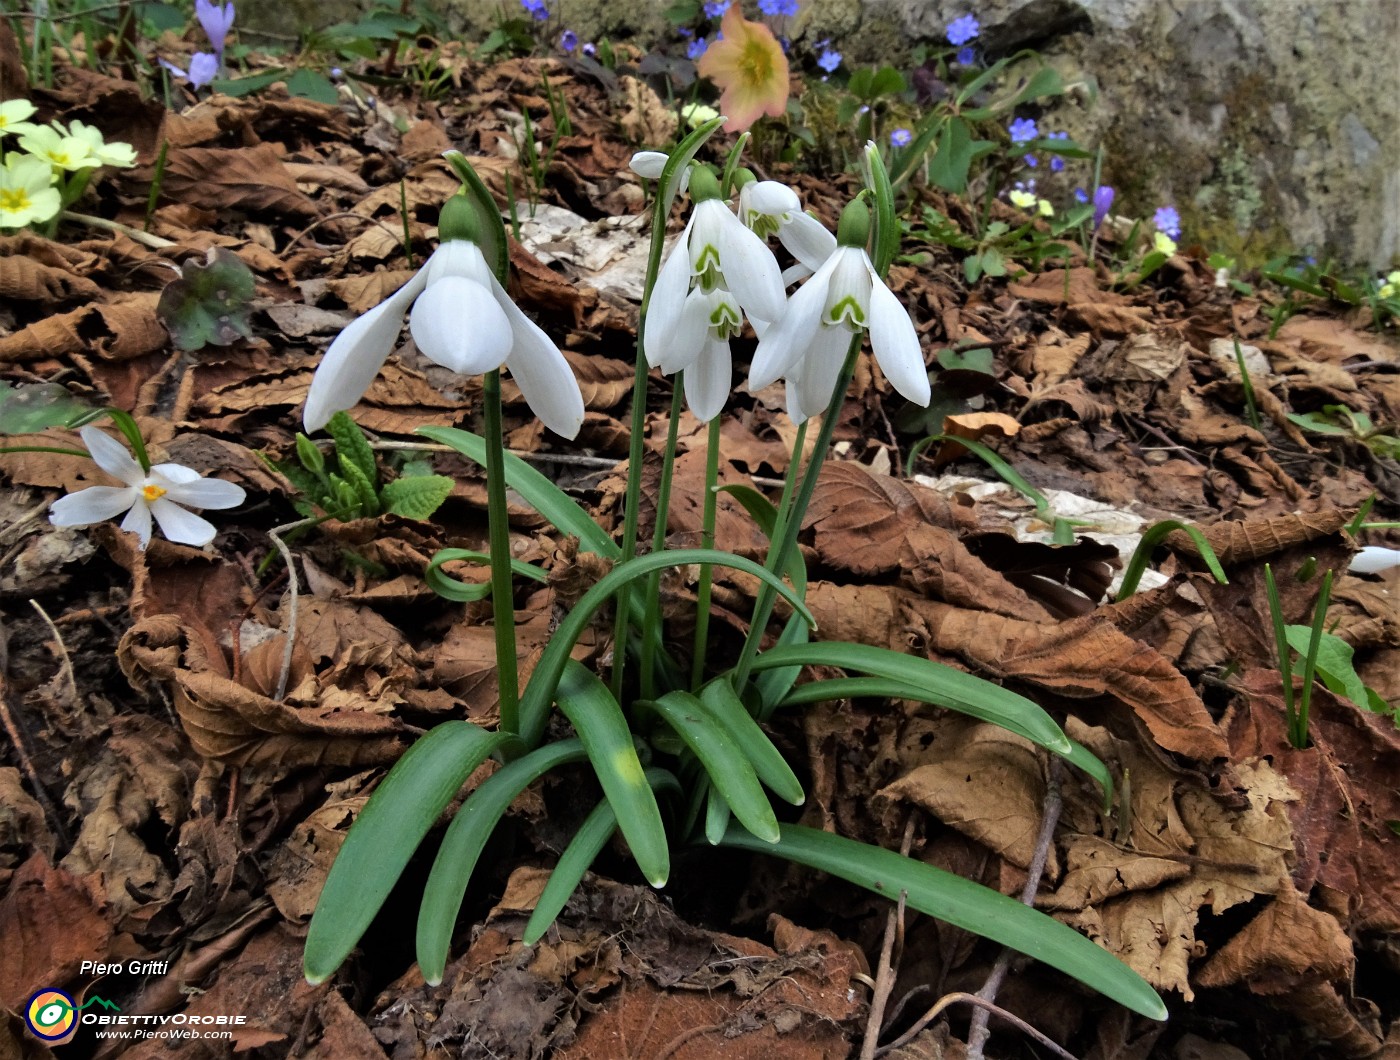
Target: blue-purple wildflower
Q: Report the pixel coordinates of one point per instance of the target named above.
(1056, 163)
(966, 57)
(963, 29)
(590, 49)
(1030, 160)
(716, 8)
(1081, 196)
(1022, 130)
(778, 8)
(568, 40)
(216, 20)
(829, 60)
(1167, 221)
(696, 48)
(901, 138)
(1103, 201)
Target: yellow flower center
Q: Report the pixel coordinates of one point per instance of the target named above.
(152, 492)
(756, 63)
(14, 200)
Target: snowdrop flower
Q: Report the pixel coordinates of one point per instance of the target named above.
(1374, 558)
(714, 253)
(462, 319)
(651, 164)
(27, 194)
(808, 342)
(769, 208)
(165, 491)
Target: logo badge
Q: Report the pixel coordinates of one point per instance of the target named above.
(51, 1016)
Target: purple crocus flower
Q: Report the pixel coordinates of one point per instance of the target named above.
(1167, 221)
(217, 21)
(204, 67)
(1103, 200)
(901, 138)
(963, 29)
(1022, 130)
(568, 40)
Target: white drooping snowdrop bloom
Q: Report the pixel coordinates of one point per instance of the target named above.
(462, 319)
(163, 492)
(716, 268)
(772, 208)
(808, 343)
(1375, 558)
(651, 164)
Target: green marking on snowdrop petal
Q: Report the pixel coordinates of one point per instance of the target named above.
(848, 312)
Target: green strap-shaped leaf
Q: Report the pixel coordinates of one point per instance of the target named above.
(723, 704)
(534, 704)
(772, 685)
(716, 815)
(935, 683)
(886, 238)
(385, 835)
(607, 739)
(597, 828)
(465, 840)
(884, 688)
(731, 772)
(761, 510)
(1154, 536)
(546, 498)
(450, 588)
(684, 152)
(963, 904)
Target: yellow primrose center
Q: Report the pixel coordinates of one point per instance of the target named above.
(152, 492)
(15, 200)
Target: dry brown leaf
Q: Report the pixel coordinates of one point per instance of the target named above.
(22, 822)
(1049, 288)
(1288, 942)
(1254, 539)
(252, 179)
(1055, 357)
(118, 331)
(24, 279)
(860, 519)
(363, 292)
(986, 427)
(1104, 319)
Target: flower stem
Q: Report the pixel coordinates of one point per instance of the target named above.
(707, 540)
(43, 449)
(785, 534)
(651, 630)
(502, 590)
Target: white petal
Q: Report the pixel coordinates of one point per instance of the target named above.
(896, 345)
(792, 274)
(356, 356)
(458, 324)
(821, 367)
(771, 197)
(457, 257)
(176, 474)
(96, 504)
(786, 340)
(750, 270)
(1370, 560)
(181, 526)
(111, 456)
(667, 301)
(648, 164)
(707, 381)
(807, 240)
(539, 369)
(852, 278)
(677, 350)
(205, 493)
(138, 521)
(794, 406)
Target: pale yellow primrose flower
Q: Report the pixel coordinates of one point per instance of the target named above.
(1045, 208)
(27, 194)
(1164, 243)
(1022, 199)
(13, 117)
(61, 152)
(121, 155)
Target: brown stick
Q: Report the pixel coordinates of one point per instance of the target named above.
(982, 1004)
(885, 972)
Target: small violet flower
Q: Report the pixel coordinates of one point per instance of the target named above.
(829, 60)
(538, 9)
(163, 492)
(808, 343)
(748, 64)
(1103, 202)
(1081, 196)
(1056, 164)
(696, 48)
(1031, 160)
(716, 8)
(966, 57)
(901, 138)
(462, 319)
(590, 49)
(217, 20)
(778, 8)
(716, 267)
(963, 29)
(204, 67)
(1022, 130)
(568, 41)
(1167, 221)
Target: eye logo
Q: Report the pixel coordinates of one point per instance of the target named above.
(51, 1016)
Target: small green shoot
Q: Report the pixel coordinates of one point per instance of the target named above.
(1296, 704)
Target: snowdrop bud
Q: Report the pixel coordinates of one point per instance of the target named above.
(457, 220)
(1373, 559)
(853, 230)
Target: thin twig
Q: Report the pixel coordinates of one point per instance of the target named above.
(982, 1003)
(27, 764)
(978, 1032)
(134, 234)
(290, 627)
(67, 662)
(885, 972)
(335, 217)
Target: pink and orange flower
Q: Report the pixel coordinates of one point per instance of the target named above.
(750, 68)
